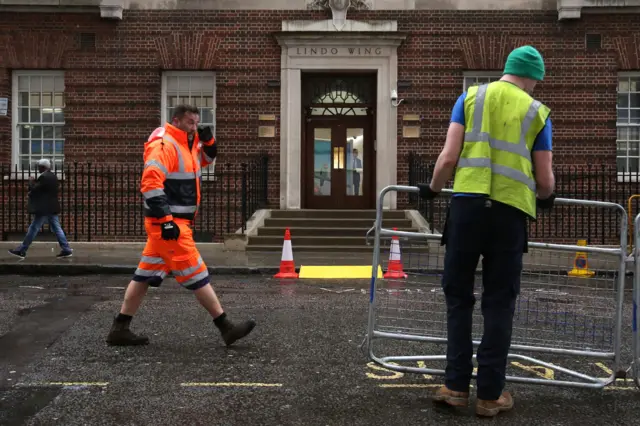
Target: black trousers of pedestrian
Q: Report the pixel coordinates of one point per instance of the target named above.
(477, 226)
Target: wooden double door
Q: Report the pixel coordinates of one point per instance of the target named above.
(339, 163)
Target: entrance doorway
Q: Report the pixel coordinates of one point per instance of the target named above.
(338, 155)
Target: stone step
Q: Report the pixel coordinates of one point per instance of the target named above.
(311, 240)
(337, 214)
(334, 249)
(334, 223)
(310, 232)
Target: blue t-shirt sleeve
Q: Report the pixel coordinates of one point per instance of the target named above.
(457, 115)
(543, 140)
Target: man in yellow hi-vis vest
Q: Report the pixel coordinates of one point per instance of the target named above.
(499, 143)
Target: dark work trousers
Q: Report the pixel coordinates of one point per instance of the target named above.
(478, 226)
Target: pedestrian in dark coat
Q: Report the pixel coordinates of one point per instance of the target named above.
(44, 205)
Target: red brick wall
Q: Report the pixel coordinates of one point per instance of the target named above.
(113, 93)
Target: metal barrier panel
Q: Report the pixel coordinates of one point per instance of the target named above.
(558, 312)
(635, 366)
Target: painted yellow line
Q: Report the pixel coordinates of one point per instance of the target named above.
(231, 384)
(430, 385)
(65, 384)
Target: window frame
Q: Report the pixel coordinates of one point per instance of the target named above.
(626, 176)
(15, 134)
(479, 74)
(210, 174)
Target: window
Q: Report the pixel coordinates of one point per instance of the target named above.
(194, 88)
(628, 123)
(38, 118)
(477, 78)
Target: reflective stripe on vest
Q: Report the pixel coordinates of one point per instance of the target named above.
(498, 169)
(478, 136)
(180, 174)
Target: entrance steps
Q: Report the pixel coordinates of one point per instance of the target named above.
(327, 230)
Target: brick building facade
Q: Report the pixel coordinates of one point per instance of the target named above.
(83, 88)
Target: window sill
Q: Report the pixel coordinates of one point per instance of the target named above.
(19, 176)
(628, 177)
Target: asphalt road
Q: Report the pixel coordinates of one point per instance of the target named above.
(302, 365)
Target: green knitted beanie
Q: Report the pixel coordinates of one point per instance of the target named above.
(525, 61)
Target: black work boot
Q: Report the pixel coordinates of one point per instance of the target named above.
(120, 335)
(232, 332)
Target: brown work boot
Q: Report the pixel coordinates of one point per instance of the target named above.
(235, 332)
(120, 335)
(493, 408)
(453, 398)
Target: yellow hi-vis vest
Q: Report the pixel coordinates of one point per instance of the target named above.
(501, 125)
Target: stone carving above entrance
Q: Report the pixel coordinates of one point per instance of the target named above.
(339, 9)
(327, 4)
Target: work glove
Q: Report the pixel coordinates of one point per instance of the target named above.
(426, 193)
(170, 231)
(547, 203)
(205, 134)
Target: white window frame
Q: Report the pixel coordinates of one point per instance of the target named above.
(495, 75)
(15, 134)
(163, 115)
(625, 176)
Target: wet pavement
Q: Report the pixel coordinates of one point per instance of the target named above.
(120, 256)
(302, 365)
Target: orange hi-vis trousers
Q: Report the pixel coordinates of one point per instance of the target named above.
(179, 257)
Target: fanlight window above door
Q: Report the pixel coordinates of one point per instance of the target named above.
(327, 96)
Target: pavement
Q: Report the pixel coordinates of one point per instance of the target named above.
(123, 258)
(302, 365)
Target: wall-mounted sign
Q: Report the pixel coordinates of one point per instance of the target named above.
(411, 132)
(4, 106)
(337, 51)
(266, 131)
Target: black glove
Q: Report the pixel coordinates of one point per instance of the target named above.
(170, 231)
(426, 193)
(205, 134)
(547, 203)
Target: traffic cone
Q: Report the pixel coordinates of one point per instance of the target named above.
(581, 264)
(287, 267)
(394, 269)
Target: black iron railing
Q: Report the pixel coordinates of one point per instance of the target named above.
(103, 202)
(598, 182)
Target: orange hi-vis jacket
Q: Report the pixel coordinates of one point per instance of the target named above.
(172, 174)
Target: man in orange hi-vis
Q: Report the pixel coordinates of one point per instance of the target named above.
(173, 157)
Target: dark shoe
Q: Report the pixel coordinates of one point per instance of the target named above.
(455, 399)
(65, 253)
(493, 408)
(120, 335)
(237, 331)
(18, 253)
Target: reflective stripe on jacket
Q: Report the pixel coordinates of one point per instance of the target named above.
(172, 174)
(502, 123)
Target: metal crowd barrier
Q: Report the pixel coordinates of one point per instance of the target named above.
(558, 315)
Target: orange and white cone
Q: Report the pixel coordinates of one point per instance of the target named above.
(287, 267)
(394, 268)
